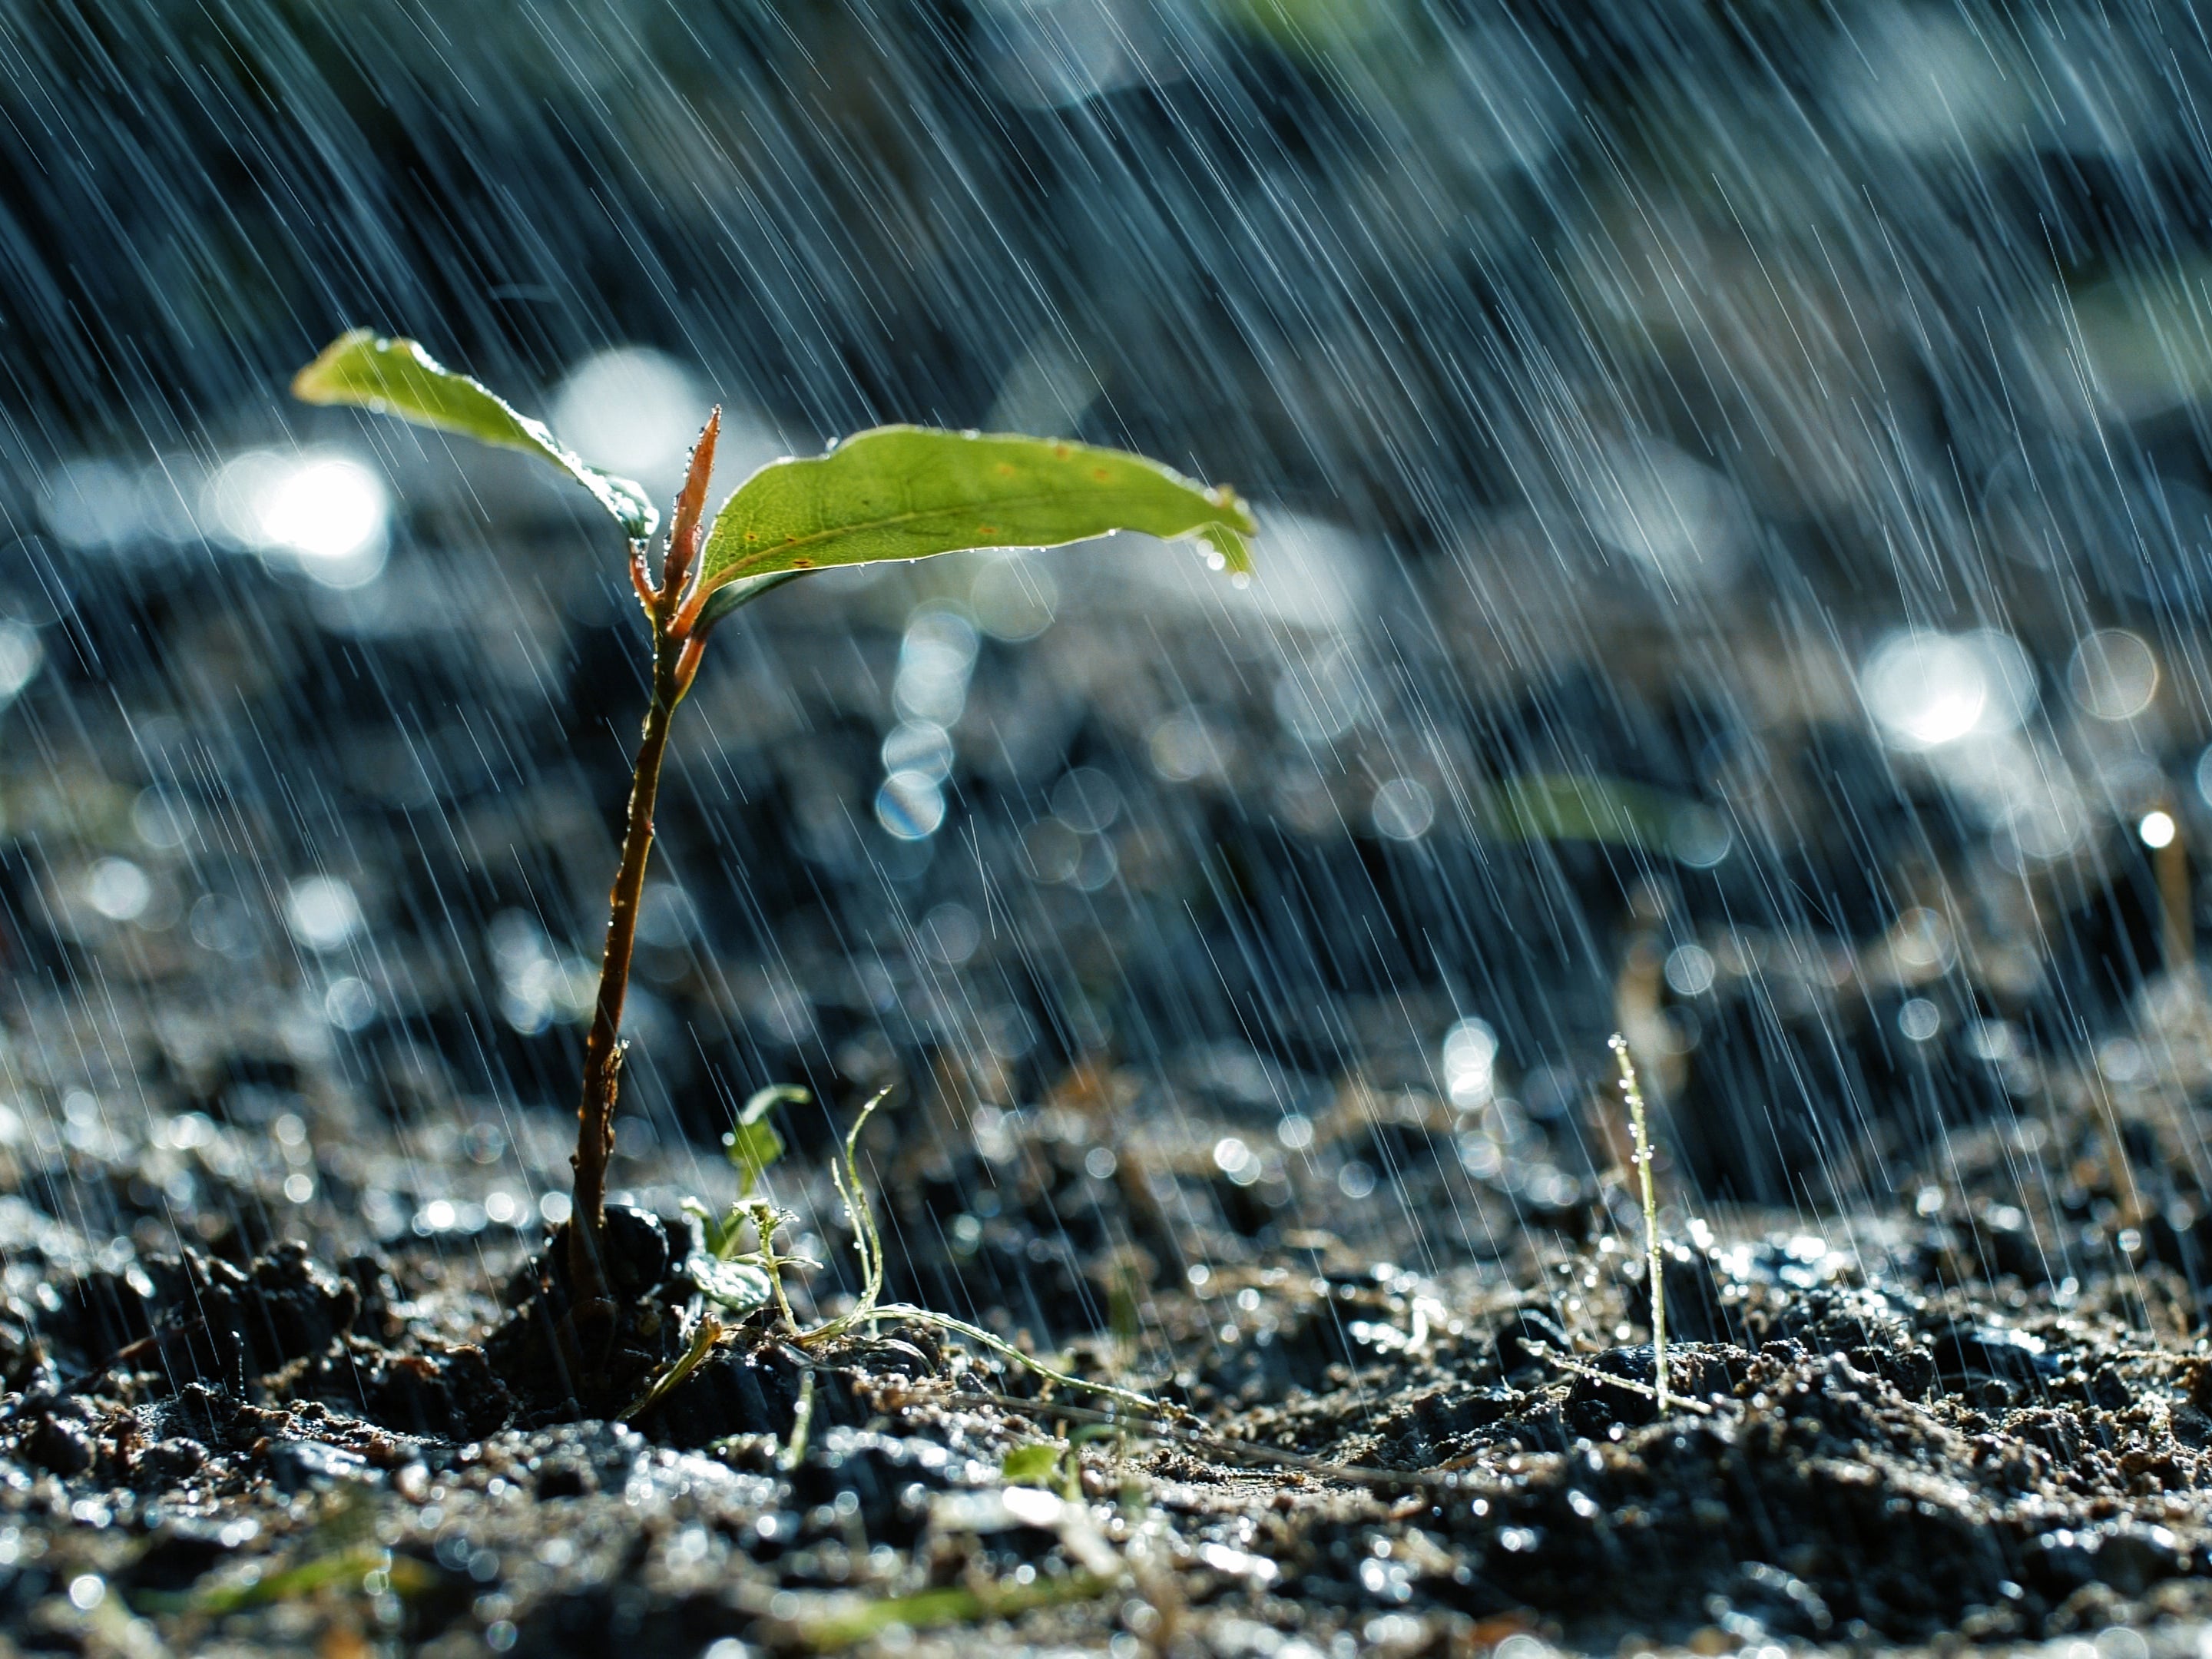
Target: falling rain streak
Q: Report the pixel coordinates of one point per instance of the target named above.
(1734, 569)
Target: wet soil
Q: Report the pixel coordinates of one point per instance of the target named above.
(1907, 1430)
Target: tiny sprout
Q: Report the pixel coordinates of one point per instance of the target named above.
(892, 493)
(1642, 1159)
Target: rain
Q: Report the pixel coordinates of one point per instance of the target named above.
(1734, 573)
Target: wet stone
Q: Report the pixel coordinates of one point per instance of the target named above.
(168, 1463)
(194, 1317)
(638, 1255)
(196, 1411)
(1965, 1354)
(1694, 1372)
(305, 1465)
(1525, 1338)
(177, 1554)
(890, 1477)
(2130, 1558)
(59, 1444)
(753, 1391)
(450, 1396)
(576, 1460)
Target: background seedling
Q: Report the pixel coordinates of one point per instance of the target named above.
(1633, 1093)
(893, 493)
(1037, 1463)
(751, 1143)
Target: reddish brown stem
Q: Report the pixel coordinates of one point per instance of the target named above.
(674, 661)
(687, 664)
(688, 617)
(595, 1129)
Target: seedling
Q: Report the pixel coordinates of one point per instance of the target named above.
(959, 1604)
(891, 493)
(1036, 1464)
(742, 1281)
(1640, 1131)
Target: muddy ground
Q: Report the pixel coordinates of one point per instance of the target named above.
(1923, 1427)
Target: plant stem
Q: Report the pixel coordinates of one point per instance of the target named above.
(1653, 1256)
(702, 1340)
(676, 649)
(595, 1129)
(802, 1420)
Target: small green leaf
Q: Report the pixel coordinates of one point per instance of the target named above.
(753, 1144)
(719, 1239)
(753, 1147)
(397, 377)
(738, 1286)
(955, 1604)
(1033, 1465)
(759, 1103)
(406, 1577)
(907, 492)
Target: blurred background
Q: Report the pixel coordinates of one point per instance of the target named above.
(1736, 569)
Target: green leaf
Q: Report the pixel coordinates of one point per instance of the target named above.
(738, 1286)
(719, 1239)
(753, 1147)
(397, 377)
(1552, 806)
(743, 591)
(907, 492)
(1033, 1465)
(346, 1568)
(955, 1604)
(759, 1103)
(753, 1144)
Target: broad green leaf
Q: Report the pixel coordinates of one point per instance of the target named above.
(397, 377)
(907, 492)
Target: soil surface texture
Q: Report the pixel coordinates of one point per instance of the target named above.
(1927, 1427)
